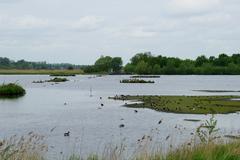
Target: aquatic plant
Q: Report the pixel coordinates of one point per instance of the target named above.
(29, 147)
(11, 90)
(184, 104)
(207, 132)
(135, 81)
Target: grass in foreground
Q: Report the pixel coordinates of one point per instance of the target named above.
(41, 72)
(31, 148)
(185, 104)
(11, 90)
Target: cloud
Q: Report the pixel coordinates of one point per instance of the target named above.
(191, 7)
(23, 22)
(87, 23)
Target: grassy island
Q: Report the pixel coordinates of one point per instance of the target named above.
(11, 90)
(135, 81)
(56, 79)
(185, 104)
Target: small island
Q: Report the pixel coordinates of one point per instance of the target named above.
(135, 81)
(56, 79)
(11, 90)
(185, 104)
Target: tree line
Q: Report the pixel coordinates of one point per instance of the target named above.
(6, 63)
(144, 63)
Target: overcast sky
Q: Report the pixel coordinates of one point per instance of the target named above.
(79, 31)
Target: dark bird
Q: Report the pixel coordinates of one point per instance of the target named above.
(53, 129)
(160, 122)
(67, 134)
(167, 137)
(102, 104)
(135, 111)
(121, 125)
(100, 97)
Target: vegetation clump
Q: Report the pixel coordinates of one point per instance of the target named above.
(135, 81)
(145, 76)
(40, 81)
(56, 79)
(185, 104)
(11, 90)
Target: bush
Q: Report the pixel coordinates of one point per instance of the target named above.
(11, 90)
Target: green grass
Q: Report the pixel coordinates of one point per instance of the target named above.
(32, 147)
(185, 104)
(11, 90)
(211, 151)
(41, 72)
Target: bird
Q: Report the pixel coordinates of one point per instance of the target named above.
(121, 125)
(67, 134)
(135, 111)
(102, 104)
(167, 137)
(65, 103)
(160, 122)
(100, 97)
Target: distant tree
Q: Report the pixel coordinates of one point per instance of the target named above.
(156, 69)
(103, 64)
(129, 68)
(116, 64)
(200, 61)
(142, 68)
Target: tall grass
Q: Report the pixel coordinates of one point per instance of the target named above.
(32, 147)
(11, 90)
(29, 147)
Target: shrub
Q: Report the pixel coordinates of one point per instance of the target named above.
(11, 90)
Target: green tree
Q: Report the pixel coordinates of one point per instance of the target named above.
(116, 64)
(142, 68)
(103, 64)
(156, 69)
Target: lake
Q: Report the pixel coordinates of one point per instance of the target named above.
(69, 107)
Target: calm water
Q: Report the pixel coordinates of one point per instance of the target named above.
(92, 129)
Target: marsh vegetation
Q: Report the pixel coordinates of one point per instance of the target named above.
(136, 81)
(11, 90)
(185, 104)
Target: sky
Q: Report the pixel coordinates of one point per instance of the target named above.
(79, 31)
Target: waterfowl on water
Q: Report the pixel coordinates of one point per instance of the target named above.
(102, 104)
(67, 134)
(121, 125)
(160, 122)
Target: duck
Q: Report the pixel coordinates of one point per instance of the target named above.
(121, 125)
(67, 134)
